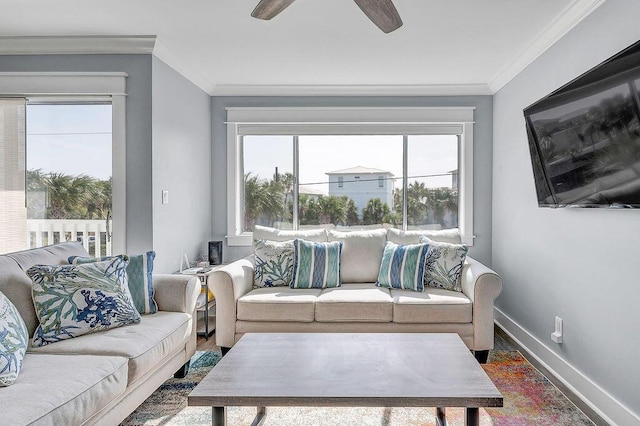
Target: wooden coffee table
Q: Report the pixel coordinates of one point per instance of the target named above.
(347, 370)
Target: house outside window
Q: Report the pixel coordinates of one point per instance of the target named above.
(311, 176)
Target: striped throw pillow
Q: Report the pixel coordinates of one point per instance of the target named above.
(403, 266)
(316, 265)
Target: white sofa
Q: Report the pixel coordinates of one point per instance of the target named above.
(357, 305)
(97, 378)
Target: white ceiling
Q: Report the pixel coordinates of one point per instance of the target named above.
(319, 46)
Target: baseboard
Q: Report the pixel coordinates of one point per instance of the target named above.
(605, 406)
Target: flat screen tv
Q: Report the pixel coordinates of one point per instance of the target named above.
(584, 138)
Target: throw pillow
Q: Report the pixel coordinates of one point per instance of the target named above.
(13, 341)
(140, 272)
(403, 266)
(273, 263)
(316, 265)
(444, 264)
(72, 300)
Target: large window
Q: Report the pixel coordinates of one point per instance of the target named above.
(62, 175)
(297, 168)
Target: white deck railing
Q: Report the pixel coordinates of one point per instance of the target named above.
(92, 234)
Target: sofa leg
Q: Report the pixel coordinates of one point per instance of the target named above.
(224, 350)
(481, 356)
(182, 372)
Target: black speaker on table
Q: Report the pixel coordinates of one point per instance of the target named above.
(215, 252)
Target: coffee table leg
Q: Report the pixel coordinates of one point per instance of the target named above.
(441, 417)
(261, 416)
(219, 416)
(472, 416)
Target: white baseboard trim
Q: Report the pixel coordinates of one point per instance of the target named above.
(599, 400)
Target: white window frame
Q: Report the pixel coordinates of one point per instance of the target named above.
(85, 86)
(242, 121)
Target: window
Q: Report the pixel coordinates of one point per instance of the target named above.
(68, 140)
(349, 168)
(69, 165)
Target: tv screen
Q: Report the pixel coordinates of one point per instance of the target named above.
(584, 138)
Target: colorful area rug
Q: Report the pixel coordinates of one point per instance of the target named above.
(529, 399)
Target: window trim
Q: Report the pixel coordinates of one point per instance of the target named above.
(345, 120)
(86, 86)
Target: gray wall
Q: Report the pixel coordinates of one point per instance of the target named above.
(138, 67)
(182, 165)
(168, 147)
(574, 263)
(482, 154)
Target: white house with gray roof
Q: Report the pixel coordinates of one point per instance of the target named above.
(362, 184)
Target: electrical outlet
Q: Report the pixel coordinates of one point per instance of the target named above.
(165, 196)
(556, 336)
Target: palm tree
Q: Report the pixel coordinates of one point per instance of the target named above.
(262, 200)
(376, 212)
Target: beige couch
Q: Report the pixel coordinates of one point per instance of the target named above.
(357, 305)
(96, 378)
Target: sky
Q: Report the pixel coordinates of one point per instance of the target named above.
(71, 139)
(428, 155)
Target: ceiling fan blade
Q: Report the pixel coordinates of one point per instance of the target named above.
(267, 9)
(382, 13)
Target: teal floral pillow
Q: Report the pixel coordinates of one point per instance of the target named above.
(273, 263)
(13, 341)
(444, 264)
(140, 278)
(72, 300)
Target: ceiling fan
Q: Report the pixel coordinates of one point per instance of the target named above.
(381, 12)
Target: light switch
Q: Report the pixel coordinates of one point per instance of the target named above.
(165, 196)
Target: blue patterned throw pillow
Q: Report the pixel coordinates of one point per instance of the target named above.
(403, 266)
(140, 272)
(72, 300)
(13, 341)
(273, 263)
(444, 264)
(316, 265)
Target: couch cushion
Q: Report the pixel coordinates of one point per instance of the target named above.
(278, 304)
(413, 237)
(62, 389)
(16, 285)
(14, 338)
(354, 302)
(361, 254)
(72, 300)
(434, 305)
(143, 344)
(265, 233)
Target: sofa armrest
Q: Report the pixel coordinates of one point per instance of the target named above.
(228, 284)
(482, 286)
(176, 293)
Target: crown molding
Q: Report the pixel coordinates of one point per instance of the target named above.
(76, 45)
(351, 90)
(566, 20)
